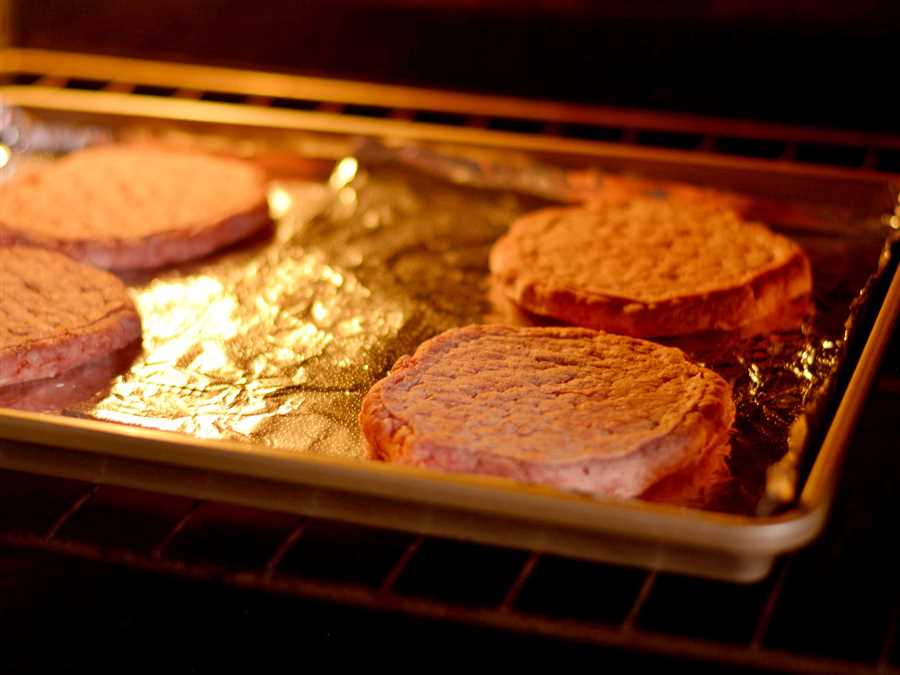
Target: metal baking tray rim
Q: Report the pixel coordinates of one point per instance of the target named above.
(473, 493)
(714, 533)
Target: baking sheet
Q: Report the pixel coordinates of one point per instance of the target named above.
(276, 340)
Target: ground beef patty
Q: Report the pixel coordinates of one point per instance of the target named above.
(648, 267)
(56, 314)
(569, 407)
(131, 207)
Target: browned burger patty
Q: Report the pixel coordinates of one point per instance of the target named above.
(130, 207)
(568, 407)
(648, 267)
(56, 314)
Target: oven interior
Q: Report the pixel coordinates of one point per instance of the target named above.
(831, 608)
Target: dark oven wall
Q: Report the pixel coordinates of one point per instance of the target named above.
(810, 63)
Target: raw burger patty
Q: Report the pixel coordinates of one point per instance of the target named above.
(569, 407)
(56, 314)
(648, 267)
(130, 207)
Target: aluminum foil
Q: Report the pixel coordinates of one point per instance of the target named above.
(277, 340)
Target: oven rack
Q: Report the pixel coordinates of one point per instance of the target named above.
(683, 132)
(820, 611)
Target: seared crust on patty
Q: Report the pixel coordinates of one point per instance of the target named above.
(133, 207)
(569, 407)
(648, 267)
(56, 314)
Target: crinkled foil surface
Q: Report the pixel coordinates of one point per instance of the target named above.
(277, 340)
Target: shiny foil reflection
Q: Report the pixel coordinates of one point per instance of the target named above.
(271, 343)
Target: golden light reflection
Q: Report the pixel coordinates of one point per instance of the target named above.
(181, 292)
(280, 201)
(806, 359)
(247, 424)
(212, 359)
(755, 379)
(319, 311)
(352, 326)
(284, 354)
(181, 302)
(5, 155)
(220, 317)
(343, 173)
(334, 277)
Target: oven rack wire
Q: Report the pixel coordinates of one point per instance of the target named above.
(735, 137)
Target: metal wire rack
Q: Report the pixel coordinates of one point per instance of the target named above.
(782, 623)
(153, 79)
(769, 625)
